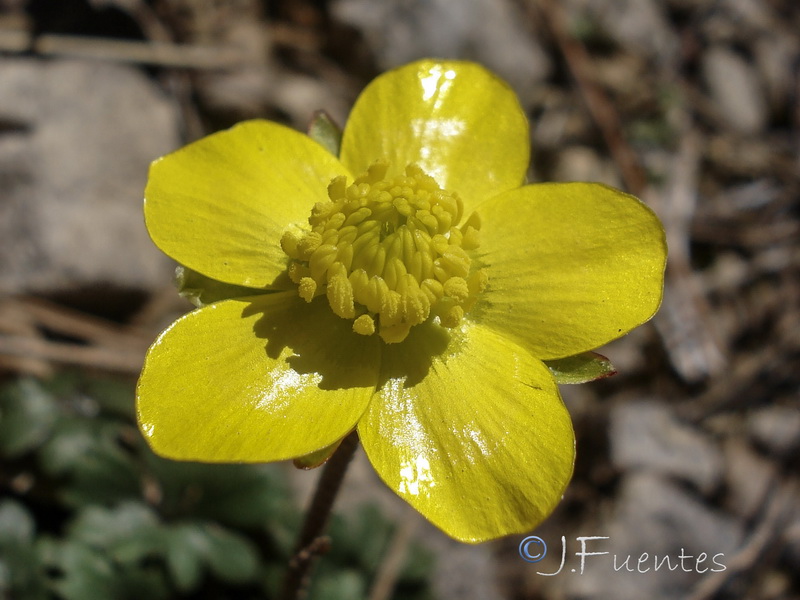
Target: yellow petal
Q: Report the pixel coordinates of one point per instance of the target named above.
(456, 120)
(571, 266)
(255, 380)
(220, 205)
(473, 435)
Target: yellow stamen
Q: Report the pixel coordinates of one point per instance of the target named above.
(307, 288)
(365, 325)
(389, 250)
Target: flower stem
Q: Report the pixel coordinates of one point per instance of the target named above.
(311, 541)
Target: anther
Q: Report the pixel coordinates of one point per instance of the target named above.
(388, 250)
(364, 325)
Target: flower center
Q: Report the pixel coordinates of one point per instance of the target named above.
(388, 253)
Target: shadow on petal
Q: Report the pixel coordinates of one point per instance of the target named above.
(312, 340)
(411, 360)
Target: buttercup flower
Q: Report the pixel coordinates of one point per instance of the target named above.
(410, 288)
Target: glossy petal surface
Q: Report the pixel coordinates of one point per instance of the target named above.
(220, 205)
(255, 380)
(459, 122)
(571, 266)
(473, 435)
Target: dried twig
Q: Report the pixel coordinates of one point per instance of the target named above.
(778, 513)
(86, 327)
(392, 564)
(23, 347)
(111, 359)
(15, 321)
(597, 102)
(311, 542)
(163, 54)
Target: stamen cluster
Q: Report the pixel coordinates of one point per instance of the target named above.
(388, 253)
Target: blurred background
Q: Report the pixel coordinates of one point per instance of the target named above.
(692, 449)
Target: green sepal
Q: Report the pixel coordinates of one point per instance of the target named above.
(201, 290)
(323, 130)
(581, 368)
(316, 459)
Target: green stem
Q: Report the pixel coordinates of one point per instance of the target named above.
(311, 541)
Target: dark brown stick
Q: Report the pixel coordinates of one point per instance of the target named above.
(311, 542)
(597, 101)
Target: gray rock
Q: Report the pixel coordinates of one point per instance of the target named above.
(748, 479)
(777, 428)
(640, 25)
(646, 436)
(775, 54)
(736, 90)
(792, 536)
(654, 524)
(581, 163)
(76, 139)
(488, 31)
(753, 14)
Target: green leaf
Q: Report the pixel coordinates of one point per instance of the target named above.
(83, 571)
(236, 495)
(98, 470)
(21, 572)
(341, 583)
(16, 523)
(419, 565)
(325, 132)
(27, 415)
(185, 545)
(231, 556)
(190, 546)
(112, 528)
(581, 368)
(116, 398)
(71, 441)
(369, 536)
(201, 290)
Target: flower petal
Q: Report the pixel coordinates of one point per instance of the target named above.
(220, 205)
(256, 379)
(472, 434)
(571, 266)
(459, 122)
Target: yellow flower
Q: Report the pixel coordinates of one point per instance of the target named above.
(410, 288)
